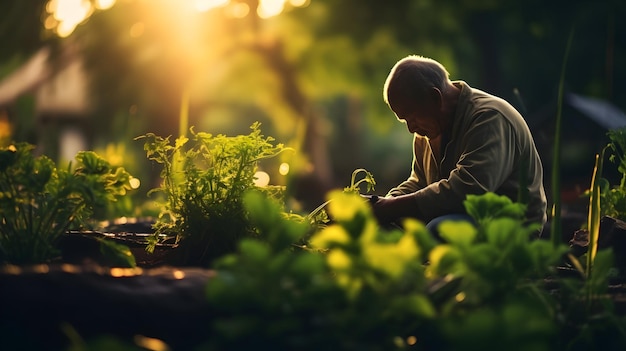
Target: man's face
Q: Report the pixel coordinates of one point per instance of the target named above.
(423, 118)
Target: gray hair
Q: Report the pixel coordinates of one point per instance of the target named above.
(413, 76)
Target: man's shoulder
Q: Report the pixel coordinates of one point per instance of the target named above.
(480, 101)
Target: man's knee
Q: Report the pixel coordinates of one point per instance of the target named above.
(433, 225)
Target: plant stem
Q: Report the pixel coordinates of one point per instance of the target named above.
(184, 112)
(555, 231)
(593, 218)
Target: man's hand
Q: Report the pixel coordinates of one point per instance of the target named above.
(391, 209)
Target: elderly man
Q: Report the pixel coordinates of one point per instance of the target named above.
(465, 141)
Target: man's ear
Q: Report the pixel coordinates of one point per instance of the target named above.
(436, 96)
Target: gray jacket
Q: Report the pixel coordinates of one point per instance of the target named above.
(489, 149)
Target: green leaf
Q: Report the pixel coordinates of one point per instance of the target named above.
(307, 265)
(254, 250)
(481, 257)
(459, 233)
(92, 163)
(8, 156)
(603, 263)
(446, 259)
(544, 254)
(117, 255)
(503, 232)
(486, 207)
(423, 237)
(417, 304)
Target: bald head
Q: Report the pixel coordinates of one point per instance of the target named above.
(412, 78)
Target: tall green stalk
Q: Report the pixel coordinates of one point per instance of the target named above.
(555, 227)
(594, 214)
(183, 125)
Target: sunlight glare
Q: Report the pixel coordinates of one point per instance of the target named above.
(51, 5)
(206, 5)
(71, 11)
(270, 8)
(64, 29)
(299, 3)
(238, 10)
(104, 4)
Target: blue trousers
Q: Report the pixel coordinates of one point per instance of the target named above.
(433, 225)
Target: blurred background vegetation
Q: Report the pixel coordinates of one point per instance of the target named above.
(79, 74)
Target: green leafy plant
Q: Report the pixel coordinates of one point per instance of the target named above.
(39, 202)
(270, 295)
(355, 185)
(319, 217)
(613, 197)
(489, 206)
(366, 287)
(369, 288)
(604, 199)
(204, 180)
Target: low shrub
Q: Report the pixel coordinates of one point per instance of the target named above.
(40, 202)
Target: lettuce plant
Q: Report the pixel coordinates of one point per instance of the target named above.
(39, 202)
(204, 180)
(370, 288)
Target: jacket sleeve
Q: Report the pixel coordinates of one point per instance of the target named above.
(417, 179)
(486, 160)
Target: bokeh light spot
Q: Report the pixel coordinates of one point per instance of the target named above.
(299, 3)
(206, 5)
(69, 13)
(270, 8)
(137, 29)
(72, 11)
(151, 343)
(134, 183)
(283, 169)
(261, 179)
(238, 10)
(179, 274)
(104, 4)
(50, 22)
(65, 29)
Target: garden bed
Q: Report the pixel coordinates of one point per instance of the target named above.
(42, 304)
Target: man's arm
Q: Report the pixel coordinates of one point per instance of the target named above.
(417, 179)
(487, 160)
(392, 208)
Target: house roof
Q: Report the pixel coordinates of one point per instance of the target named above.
(26, 78)
(59, 88)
